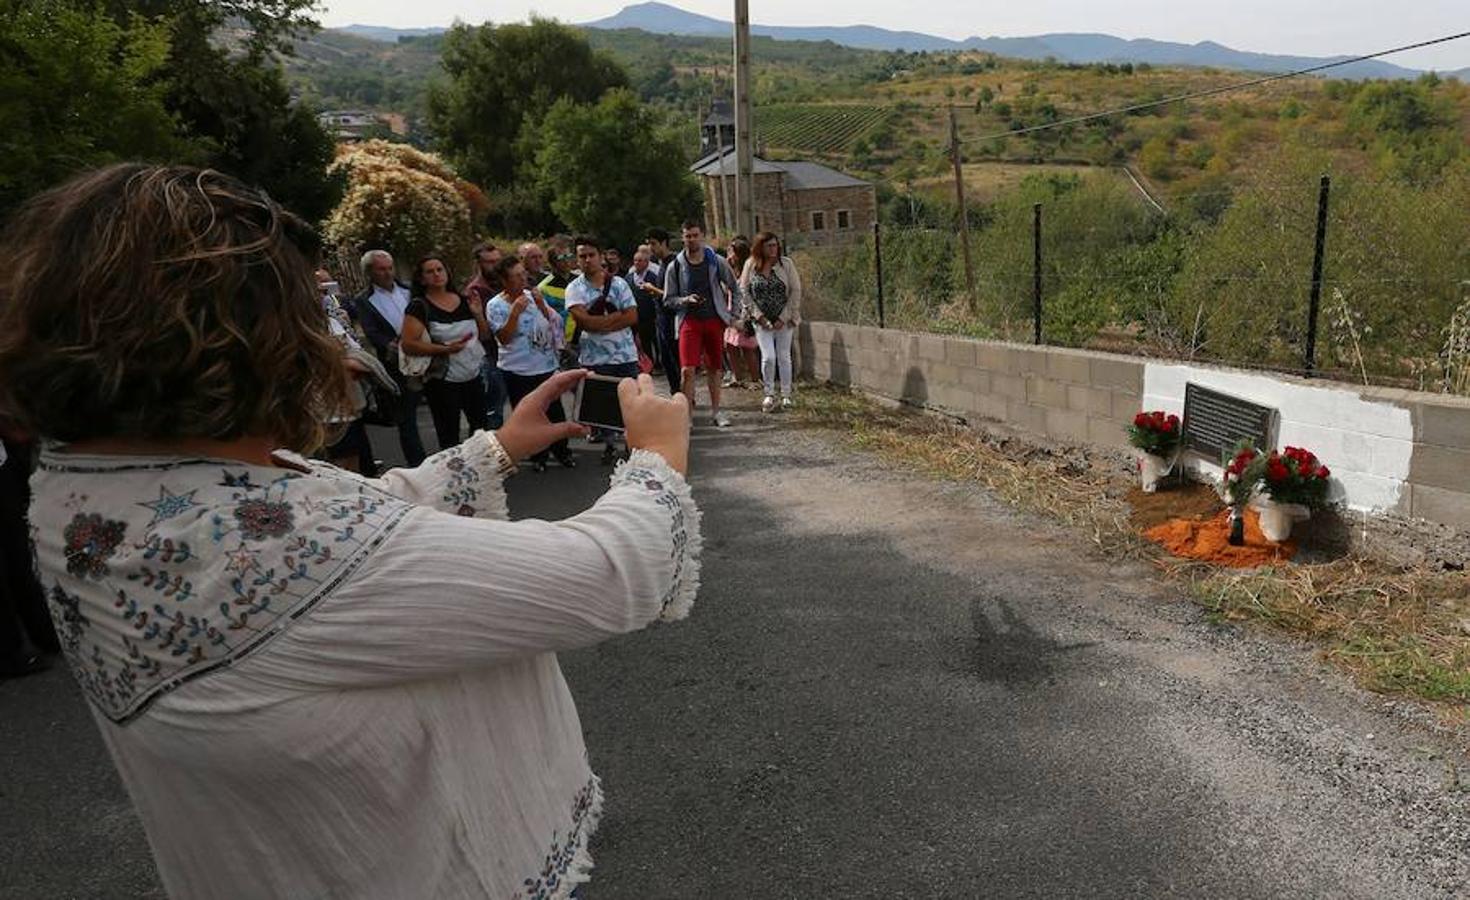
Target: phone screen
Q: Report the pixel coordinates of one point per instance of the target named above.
(597, 403)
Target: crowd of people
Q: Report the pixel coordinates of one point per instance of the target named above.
(524, 315)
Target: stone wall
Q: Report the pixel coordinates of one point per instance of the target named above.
(1391, 450)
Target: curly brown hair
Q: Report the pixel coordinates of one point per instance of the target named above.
(164, 302)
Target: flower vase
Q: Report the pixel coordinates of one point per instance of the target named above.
(1151, 470)
(1277, 518)
(1237, 527)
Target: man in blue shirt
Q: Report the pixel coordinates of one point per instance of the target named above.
(605, 310)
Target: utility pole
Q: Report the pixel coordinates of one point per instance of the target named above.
(959, 196)
(723, 222)
(744, 154)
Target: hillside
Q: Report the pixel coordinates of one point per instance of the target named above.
(885, 114)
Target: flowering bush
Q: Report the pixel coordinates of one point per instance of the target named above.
(402, 200)
(1243, 471)
(1295, 475)
(1155, 432)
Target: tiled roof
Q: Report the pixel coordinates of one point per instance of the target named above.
(800, 176)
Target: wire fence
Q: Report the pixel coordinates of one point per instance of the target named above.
(1231, 277)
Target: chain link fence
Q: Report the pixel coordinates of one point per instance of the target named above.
(1223, 276)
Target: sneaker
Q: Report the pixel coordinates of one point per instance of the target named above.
(538, 466)
(567, 460)
(720, 420)
(768, 404)
(609, 454)
(787, 403)
(729, 382)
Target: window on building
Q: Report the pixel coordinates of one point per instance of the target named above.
(844, 220)
(819, 221)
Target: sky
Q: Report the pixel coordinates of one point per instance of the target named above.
(1301, 27)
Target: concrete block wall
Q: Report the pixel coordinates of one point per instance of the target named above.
(1390, 450)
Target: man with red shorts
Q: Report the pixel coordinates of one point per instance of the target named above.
(701, 290)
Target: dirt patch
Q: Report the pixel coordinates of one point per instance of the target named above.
(1208, 540)
(1191, 500)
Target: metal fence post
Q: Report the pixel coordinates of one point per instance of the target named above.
(1036, 273)
(878, 267)
(1314, 305)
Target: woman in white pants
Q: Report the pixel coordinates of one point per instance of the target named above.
(772, 292)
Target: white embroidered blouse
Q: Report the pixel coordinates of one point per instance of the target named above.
(320, 685)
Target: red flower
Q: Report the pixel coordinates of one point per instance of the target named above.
(1323, 472)
(1276, 471)
(1141, 420)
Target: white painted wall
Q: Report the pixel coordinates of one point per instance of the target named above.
(1367, 444)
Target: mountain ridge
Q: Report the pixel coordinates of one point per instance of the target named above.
(1071, 47)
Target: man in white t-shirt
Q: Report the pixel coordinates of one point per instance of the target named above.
(605, 310)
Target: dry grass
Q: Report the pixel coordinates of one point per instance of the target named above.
(1398, 630)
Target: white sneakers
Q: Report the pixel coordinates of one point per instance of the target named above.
(768, 404)
(787, 403)
(720, 420)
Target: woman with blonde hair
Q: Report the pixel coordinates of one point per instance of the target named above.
(772, 290)
(313, 683)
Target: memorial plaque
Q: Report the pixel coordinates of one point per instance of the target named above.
(1214, 422)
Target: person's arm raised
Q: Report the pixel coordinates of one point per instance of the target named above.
(445, 594)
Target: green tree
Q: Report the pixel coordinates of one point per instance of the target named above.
(190, 81)
(241, 112)
(610, 170)
(501, 79)
(78, 90)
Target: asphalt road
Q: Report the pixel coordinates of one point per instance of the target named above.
(894, 688)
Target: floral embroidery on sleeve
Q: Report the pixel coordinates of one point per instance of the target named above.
(670, 491)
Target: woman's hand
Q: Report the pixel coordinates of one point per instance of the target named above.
(654, 423)
(780, 324)
(528, 430)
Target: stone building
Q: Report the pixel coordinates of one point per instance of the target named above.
(802, 202)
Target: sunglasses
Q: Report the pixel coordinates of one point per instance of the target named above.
(564, 256)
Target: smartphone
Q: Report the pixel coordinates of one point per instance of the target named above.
(597, 403)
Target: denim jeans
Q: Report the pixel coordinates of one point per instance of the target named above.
(668, 349)
(447, 400)
(408, 428)
(494, 393)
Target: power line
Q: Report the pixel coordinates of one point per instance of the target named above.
(1210, 92)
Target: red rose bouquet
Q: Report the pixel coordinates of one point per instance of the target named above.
(1155, 432)
(1295, 475)
(1243, 468)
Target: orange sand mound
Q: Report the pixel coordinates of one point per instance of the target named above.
(1209, 540)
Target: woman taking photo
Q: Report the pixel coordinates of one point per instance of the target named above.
(441, 323)
(531, 338)
(310, 688)
(772, 291)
